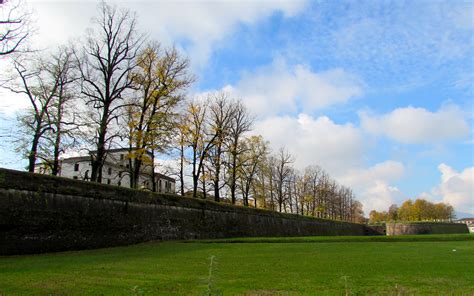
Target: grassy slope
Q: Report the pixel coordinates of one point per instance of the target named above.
(420, 267)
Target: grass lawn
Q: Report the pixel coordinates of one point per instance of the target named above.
(406, 265)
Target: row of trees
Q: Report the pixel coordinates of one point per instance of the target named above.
(120, 90)
(419, 210)
(81, 96)
(224, 158)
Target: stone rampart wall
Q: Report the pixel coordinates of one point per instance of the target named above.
(425, 228)
(46, 214)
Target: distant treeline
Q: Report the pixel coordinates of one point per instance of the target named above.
(420, 210)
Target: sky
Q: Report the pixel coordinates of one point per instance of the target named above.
(378, 93)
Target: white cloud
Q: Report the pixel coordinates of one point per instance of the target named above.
(10, 103)
(379, 196)
(204, 23)
(402, 34)
(170, 166)
(456, 188)
(279, 87)
(199, 24)
(372, 185)
(418, 125)
(314, 141)
(385, 171)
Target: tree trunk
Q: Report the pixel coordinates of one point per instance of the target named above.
(181, 169)
(217, 197)
(153, 175)
(137, 164)
(195, 186)
(33, 152)
(98, 160)
(204, 190)
(233, 180)
(195, 173)
(246, 195)
(57, 141)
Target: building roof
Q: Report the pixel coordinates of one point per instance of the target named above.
(76, 159)
(121, 150)
(161, 176)
(466, 219)
(88, 159)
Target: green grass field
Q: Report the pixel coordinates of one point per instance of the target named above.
(405, 265)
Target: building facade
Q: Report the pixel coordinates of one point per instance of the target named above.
(469, 222)
(115, 171)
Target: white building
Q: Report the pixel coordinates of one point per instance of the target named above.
(469, 222)
(115, 171)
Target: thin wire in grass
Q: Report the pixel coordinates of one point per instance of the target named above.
(346, 286)
(211, 290)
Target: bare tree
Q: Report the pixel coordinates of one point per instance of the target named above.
(40, 91)
(312, 176)
(14, 26)
(291, 191)
(107, 61)
(62, 68)
(282, 172)
(199, 139)
(181, 141)
(240, 124)
(219, 121)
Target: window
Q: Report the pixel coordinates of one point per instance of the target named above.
(159, 186)
(120, 174)
(75, 177)
(76, 167)
(110, 171)
(121, 156)
(108, 181)
(119, 183)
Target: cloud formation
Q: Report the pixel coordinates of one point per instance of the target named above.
(279, 87)
(314, 141)
(456, 188)
(412, 125)
(379, 196)
(372, 185)
(394, 44)
(203, 23)
(194, 25)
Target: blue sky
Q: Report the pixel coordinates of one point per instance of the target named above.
(379, 93)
